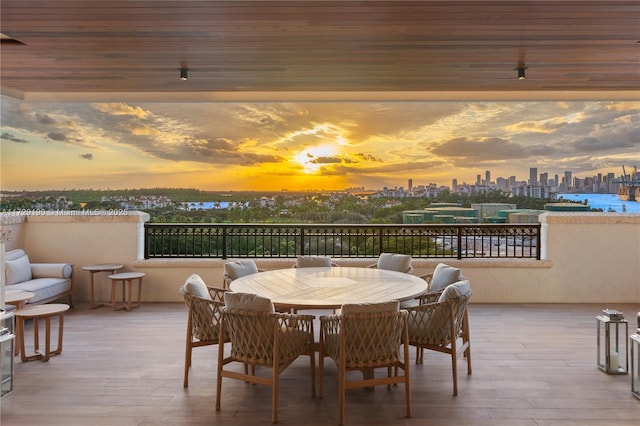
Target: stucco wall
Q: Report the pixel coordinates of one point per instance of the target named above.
(587, 258)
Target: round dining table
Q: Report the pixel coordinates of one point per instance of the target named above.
(330, 287)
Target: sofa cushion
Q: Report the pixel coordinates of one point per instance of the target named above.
(248, 302)
(443, 276)
(196, 286)
(18, 270)
(44, 288)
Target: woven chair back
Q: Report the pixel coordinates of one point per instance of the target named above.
(206, 316)
(436, 324)
(370, 339)
(260, 337)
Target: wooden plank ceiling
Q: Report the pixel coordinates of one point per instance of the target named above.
(262, 50)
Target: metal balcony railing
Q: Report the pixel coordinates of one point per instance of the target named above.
(459, 241)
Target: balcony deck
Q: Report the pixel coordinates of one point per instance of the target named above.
(532, 365)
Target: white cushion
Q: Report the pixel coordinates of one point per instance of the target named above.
(248, 302)
(456, 291)
(358, 308)
(312, 261)
(44, 288)
(196, 286)
(14, 254)
(18, 270)
(443, 276)
(411, 303)
(395, 262)
(240, 268)
(51, 270)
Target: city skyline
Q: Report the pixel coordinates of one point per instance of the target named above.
(307, 146)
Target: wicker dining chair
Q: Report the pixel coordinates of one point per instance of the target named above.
(365, 337)
(262, 337)
(399, 263)
(440, 322)
(204, 312)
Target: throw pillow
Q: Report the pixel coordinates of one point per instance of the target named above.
(240, 268)
(248, 302)
(395, 262)
(313, 261)
(455, 291)
(444, 275)
(18, 270)
(196, 286)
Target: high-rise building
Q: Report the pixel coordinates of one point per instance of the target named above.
(533, 176)
(410, 184)
(502, 183)
(487, 177)
(567, 179)
(544, 179)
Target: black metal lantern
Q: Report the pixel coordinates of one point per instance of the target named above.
(613, 330)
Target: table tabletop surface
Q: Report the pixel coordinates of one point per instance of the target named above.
(330, 287)
(40, 310)
(126, 275)
(103, 267)
(12, 296)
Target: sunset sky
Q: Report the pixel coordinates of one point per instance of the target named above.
(297, 146)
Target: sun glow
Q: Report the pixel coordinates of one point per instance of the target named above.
(311, 159)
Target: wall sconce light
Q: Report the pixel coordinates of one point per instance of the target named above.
(521, 72)
(184, 73)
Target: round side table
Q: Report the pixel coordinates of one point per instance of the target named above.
(94, 269)
(17, 298)
(127, 279)
(36, 312)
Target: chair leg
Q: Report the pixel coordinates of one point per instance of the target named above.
(320, 374)
(407, 393)
(187, 364)
(454, 367)
(219, 385)
(274, 396)
(467, 353)
(406, 370)
(341, 391)
(312, 361)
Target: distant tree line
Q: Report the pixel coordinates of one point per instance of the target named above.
(283, 207)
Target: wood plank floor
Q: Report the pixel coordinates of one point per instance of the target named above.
(532, 365)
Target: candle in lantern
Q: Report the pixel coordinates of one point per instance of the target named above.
(614, 360)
